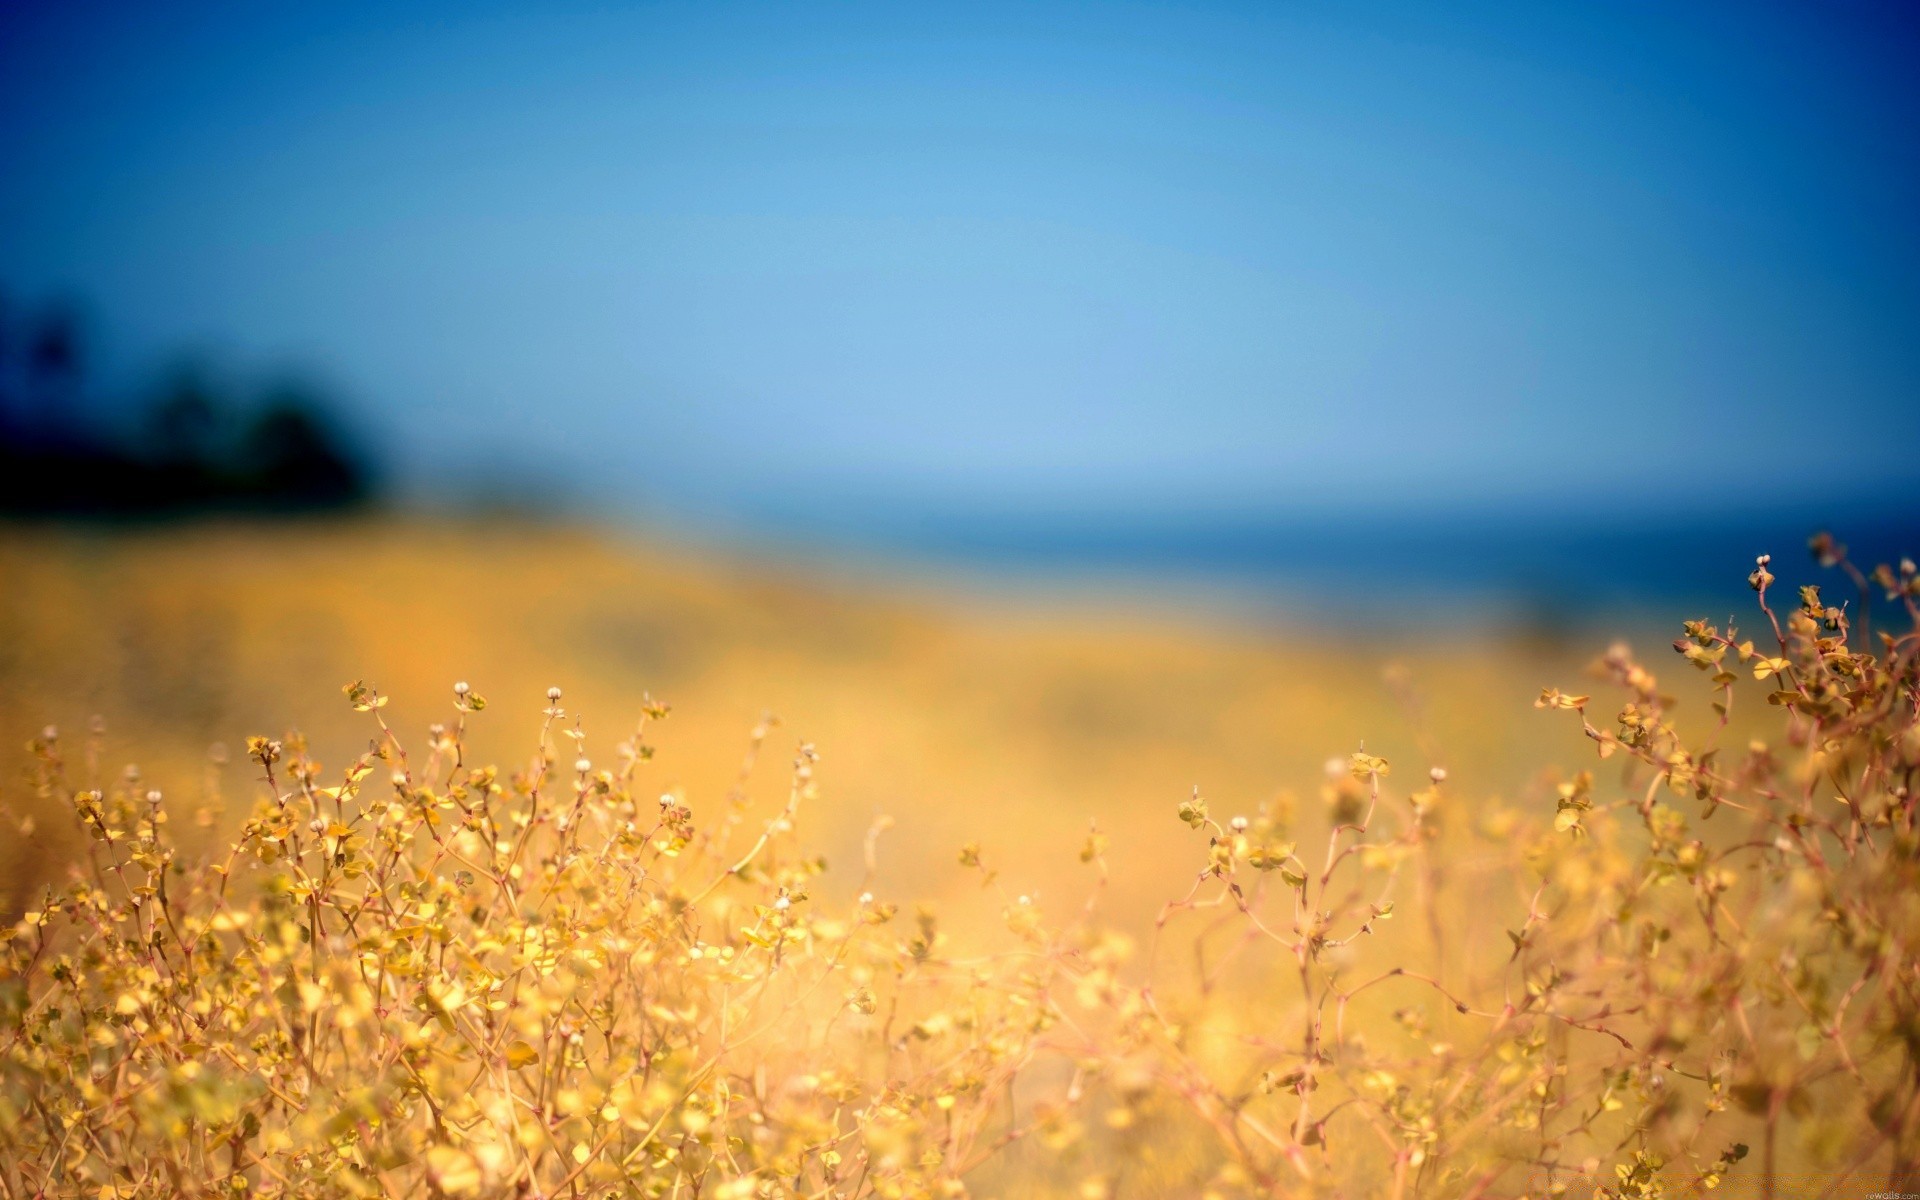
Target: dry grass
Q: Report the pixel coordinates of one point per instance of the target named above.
(947, 714)
(1034, 959)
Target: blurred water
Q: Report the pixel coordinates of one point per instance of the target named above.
(1529, 564)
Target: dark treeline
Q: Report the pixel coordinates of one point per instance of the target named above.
(186, 446)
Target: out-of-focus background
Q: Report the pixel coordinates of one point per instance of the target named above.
(1043, 409)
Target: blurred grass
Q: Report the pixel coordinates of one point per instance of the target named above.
(1011, 723)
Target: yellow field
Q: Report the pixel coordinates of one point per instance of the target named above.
(965, 720)
(1170, 904)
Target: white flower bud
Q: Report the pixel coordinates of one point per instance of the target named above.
(553, 693)
(461, 688)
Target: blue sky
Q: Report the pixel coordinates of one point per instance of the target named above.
(724, 258)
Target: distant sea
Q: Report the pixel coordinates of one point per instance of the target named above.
(1547, 568)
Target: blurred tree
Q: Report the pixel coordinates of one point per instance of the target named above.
(191, 452)
(53, 381)
(293, 457)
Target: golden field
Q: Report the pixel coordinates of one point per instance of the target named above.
(966, 718)
(1035, 898)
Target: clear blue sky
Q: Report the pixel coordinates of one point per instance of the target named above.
(1278, 256)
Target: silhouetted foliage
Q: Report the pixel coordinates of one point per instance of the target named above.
(294, 459)
(192, 449)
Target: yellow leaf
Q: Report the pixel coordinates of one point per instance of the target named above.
(1362, 766)
(520, 1054)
